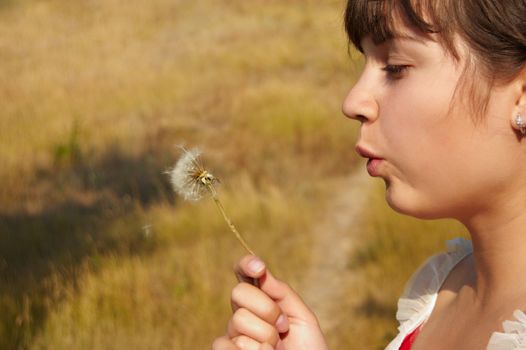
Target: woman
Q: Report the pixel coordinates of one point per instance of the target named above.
(441, 102)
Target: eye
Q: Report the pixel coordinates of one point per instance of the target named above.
(395, 71)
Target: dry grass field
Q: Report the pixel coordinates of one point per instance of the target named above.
(96, 252)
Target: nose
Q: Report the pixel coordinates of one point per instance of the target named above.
(360, 104)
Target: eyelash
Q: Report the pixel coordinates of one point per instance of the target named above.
(394, 71)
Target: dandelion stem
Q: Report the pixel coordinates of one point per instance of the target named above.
(230, 224)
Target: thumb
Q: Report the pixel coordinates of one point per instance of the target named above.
(287, 299)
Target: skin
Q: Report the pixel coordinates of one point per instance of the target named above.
(437, 164)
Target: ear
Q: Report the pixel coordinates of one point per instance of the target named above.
(518, 119)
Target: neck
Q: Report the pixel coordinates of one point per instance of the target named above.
(499, 250)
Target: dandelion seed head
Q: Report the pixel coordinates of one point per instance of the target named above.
(191, 181)
(189, 178)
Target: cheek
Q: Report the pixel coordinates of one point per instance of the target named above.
(416, 123)
(429, 153)
(419, 105)
(416, 138)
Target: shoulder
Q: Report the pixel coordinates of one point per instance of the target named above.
(420, 293)
(421, 290)
(429, 277)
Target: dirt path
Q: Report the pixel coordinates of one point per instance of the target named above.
(327, 279)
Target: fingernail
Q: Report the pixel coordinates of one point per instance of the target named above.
(256, 265)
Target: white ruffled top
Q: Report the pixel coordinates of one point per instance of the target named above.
(420, 295)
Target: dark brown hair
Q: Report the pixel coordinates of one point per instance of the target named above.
(494, 31)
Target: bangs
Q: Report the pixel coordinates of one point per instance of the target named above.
(489, 33)
(380, 19)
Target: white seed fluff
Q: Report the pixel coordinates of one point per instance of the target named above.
(183, 176)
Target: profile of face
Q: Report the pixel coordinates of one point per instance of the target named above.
(436, 162)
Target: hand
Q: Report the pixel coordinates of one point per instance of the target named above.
(272, 316)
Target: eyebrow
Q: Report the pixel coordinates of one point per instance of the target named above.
(403, 36)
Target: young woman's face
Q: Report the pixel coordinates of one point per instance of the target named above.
(436, 162)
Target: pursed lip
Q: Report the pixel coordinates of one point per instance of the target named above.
(365, 153)
(374, 160)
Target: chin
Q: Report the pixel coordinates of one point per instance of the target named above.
(405, 203)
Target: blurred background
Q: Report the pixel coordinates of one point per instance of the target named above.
(96, 252)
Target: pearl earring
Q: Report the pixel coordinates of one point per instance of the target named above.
(519, 122)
